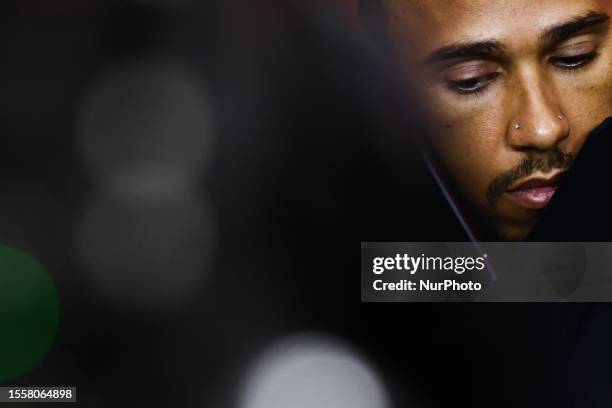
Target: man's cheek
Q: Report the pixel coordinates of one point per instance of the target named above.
(590, 98)
(468, 174)
(589, 107)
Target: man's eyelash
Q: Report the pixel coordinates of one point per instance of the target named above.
(581, 61)
(455, 86)
(568, 64)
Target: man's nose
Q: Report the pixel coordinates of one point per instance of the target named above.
(539, 123)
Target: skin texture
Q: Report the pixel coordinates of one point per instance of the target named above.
(530, 81)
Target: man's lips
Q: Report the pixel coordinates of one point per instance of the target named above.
(535, 192)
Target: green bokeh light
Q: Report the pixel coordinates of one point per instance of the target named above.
(29, 313)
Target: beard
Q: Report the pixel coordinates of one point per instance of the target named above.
(553, 160)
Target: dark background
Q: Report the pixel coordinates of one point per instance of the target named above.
(196, 177)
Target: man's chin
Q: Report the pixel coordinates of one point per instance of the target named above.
(512, 224)
(502, 223)
(514, 231)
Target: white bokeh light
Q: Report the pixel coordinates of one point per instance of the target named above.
(312, 371)
(145, 239)
(146, 249)
(149, 111)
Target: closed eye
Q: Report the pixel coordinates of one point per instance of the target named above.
(574, 62)
(472, 85)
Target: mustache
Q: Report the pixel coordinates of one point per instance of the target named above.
(555, 159)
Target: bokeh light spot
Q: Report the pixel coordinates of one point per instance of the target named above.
(145, 250)
(308, 371)
(145, 112)
(29, 313)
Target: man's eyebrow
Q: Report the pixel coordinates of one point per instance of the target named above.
(563, 31)
(480, 49)
(493, 48)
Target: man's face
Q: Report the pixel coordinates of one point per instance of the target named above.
(514, 87)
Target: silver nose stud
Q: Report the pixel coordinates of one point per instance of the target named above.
(518, 125)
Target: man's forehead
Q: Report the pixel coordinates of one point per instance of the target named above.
(434, 23)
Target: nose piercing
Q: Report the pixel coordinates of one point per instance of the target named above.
(559, 117)
(517, 126)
